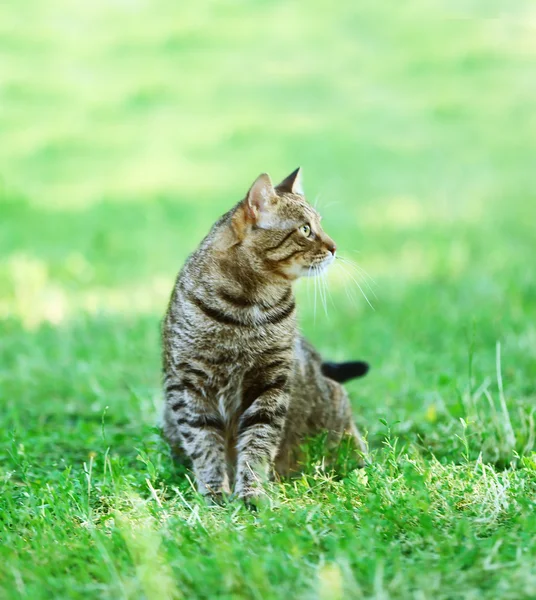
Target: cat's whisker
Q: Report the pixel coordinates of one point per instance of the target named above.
(316, 285)
(347, 288)
(328, 288)
(355, 265)
(318, 277)
(319, 283)
(365, 283)
(348, 267)
(350, 294)
(357, 284)
(309, 284)
(364, 273)
(322, 282)
(360, 289)
(366, 278)
(333, 203)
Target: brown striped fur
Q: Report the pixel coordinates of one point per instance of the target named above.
(243, 388)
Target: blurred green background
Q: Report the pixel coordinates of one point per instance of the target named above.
(128, 127)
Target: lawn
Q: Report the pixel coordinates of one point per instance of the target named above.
(126, 129)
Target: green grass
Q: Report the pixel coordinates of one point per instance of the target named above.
(126, 128)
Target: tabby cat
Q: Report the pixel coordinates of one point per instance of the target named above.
(243, 388)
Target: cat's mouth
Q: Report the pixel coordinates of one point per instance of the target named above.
(319, 266)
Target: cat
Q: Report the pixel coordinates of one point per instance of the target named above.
(243, 388)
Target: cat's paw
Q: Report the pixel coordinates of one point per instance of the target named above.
(221, 499)
(251, 505)
(253, 499)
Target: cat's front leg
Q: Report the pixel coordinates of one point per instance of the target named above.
(199, 430)
(259, 436)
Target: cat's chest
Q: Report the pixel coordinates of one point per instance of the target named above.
(229, 394)
(232, 383)
(229, 403)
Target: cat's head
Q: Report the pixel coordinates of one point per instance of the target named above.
(281, 229)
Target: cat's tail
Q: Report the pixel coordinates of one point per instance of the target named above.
(344, 371)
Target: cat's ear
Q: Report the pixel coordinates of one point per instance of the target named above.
(259, 195)
(292, 184)
(253, 210)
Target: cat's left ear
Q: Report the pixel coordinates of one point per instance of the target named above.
(292, 184)
(254, 209)
(259, 196)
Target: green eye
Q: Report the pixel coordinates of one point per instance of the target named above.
(305, 230)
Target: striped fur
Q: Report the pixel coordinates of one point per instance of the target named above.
(242, 387)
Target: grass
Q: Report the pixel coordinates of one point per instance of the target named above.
(126, 129)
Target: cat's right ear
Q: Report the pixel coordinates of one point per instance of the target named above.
(292, 184)
(251, 209)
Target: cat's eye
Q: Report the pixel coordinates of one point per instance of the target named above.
(305, 230)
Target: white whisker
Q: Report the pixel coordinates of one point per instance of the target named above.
(367, 279)
(359, 286)
(347, 288)
(322, 277)
(316, 284)
(332, 203)
(361, 290)
(353, 264)
(328, 288)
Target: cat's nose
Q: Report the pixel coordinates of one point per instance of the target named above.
(332, 247)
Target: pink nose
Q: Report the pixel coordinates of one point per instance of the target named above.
(332, 247)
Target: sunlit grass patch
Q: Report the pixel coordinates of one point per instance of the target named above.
(139, 531)
(33, 296)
